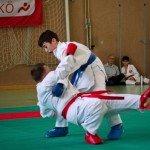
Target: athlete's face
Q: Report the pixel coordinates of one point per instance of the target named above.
(125, 62)
(111, 60)
(47, 69)
(49, 47)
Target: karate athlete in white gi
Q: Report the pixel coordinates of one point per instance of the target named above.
(83, 109)
(88, 75)
(132, 76)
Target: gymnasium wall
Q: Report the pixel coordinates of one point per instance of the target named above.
(148, 39)
(117, 27)
(19, 49)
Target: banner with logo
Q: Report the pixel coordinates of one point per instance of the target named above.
(21, 13)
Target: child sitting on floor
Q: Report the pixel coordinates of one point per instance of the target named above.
(132, 76)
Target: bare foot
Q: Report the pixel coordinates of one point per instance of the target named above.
(147, 103)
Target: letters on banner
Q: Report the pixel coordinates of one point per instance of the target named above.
(20, 13)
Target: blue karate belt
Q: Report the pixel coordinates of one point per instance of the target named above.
(78, 73)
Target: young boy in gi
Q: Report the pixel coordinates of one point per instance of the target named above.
(132, 76)
(83, 109)
(88, 75)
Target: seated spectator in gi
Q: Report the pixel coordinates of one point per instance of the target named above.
(112, 72)
(132, 76)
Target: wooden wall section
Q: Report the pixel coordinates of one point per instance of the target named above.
(133, 32)
(148, 40)
(116, 29)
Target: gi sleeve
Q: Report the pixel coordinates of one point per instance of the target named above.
(136, 73)
(45, 112)
(65, 67)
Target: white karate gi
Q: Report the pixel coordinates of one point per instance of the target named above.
(132, 71)
(87, 112)
(92, 79)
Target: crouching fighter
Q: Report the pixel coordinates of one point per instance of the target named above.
(88, 75)
(83, 109)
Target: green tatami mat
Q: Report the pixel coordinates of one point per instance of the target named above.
(19, 109)
(28, 134)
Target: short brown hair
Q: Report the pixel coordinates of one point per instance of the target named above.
(47, 36)
(37, 72)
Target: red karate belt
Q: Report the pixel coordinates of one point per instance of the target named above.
(96, 94)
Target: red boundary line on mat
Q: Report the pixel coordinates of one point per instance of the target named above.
(20, 115)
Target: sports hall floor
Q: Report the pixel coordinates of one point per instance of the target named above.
(27, 131)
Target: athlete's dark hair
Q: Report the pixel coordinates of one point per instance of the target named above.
(37, 72)
(125, 58)
(47, 36)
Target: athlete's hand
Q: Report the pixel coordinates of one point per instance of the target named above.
(58, 89)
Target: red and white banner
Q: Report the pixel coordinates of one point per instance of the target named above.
(21, 13)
